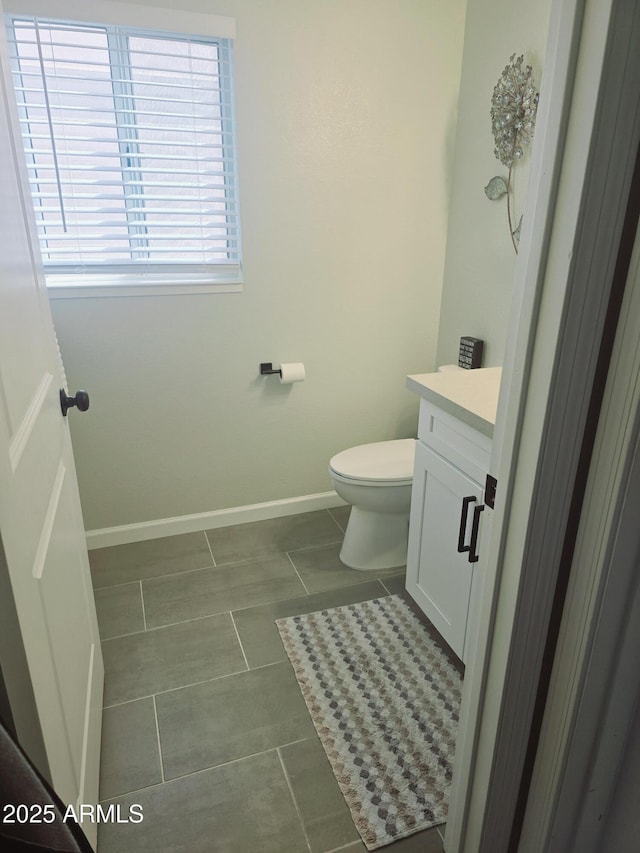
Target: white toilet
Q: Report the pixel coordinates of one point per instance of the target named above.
(376, 480)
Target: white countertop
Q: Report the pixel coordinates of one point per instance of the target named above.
(471, 395)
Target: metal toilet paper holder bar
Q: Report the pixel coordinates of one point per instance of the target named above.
(266, 369)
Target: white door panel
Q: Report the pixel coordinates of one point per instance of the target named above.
(23, 328)
(40, 516)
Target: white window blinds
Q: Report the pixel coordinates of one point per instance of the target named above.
(129, 141)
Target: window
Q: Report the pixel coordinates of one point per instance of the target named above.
(129, 142)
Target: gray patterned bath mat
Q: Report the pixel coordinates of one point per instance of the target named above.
(384, 699)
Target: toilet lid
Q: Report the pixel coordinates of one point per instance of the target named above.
(382, 460)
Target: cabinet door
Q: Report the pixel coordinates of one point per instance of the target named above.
(438, 576)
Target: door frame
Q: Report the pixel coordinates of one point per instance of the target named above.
(581, 172)
(594, 690)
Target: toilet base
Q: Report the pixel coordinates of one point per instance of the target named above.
(375, 540)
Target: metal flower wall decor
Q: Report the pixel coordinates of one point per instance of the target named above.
(513, 116)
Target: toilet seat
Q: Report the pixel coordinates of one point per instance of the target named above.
(382, 463)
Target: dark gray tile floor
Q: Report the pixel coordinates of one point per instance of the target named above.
(204, 725)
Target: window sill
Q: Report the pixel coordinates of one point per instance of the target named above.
(81, 287)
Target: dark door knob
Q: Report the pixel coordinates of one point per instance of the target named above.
(80, 401)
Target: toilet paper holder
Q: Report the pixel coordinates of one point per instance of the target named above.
(267, 369)
(288, 373)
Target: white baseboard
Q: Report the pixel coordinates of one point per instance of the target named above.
(126, 533)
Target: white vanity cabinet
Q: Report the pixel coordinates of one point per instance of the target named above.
(451, 464)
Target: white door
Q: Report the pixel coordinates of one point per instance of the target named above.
(40, 517)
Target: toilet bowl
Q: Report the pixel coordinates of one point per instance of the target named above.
(376, 480)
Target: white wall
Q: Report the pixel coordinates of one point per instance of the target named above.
(346, 119)
(480, 258)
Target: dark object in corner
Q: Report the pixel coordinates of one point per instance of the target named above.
(470, 353)
(21, 783)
